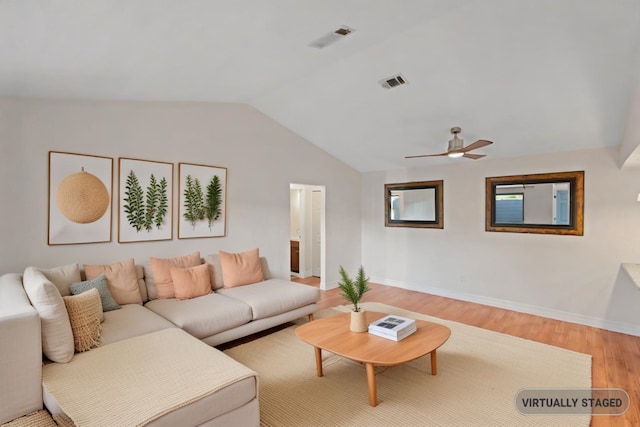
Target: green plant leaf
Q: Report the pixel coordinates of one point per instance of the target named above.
(193, 201)
(213, 204)
(353, 290)
(152, 203)
(163, 203)
(134, 202)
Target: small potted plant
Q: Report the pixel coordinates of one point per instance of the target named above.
(352, 291)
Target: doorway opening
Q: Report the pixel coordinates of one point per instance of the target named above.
(307, 231)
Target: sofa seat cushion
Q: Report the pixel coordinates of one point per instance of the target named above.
(141, 379)
(130, 321)
(203, 316)
(274, 296)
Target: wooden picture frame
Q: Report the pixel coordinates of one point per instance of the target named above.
(202, 201)
(80, 198)
(573, 203)
(145, 200)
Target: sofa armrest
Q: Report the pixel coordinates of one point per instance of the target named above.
(20, 352)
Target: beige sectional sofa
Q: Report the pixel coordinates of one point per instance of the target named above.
(155, 364)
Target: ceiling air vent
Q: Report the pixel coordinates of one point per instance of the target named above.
(391, 82)
(332, 37)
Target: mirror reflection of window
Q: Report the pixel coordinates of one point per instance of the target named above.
(510, 208)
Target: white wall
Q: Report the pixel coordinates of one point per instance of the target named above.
(262, 158)
(575, 278)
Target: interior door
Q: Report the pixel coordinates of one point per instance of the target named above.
(316, 231)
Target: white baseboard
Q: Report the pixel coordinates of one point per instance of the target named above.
(610, 325)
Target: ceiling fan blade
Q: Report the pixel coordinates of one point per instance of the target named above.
(478, 144)
(426, 155)
(473, 156)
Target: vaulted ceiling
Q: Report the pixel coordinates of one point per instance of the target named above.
(532, 76)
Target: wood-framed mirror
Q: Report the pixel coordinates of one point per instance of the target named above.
(546, 203)
(414, 204)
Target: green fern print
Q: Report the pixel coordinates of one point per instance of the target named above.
(145, 209)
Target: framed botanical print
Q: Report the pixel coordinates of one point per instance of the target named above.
(80, 194)
(202, 201)
(145, 201)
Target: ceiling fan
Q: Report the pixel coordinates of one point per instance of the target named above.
(457, 148)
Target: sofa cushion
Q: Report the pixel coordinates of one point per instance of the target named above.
(273, 296)
(161, 268)
(241, 268)
(57, 337)
(131, 320)
(138, 380)
(63, 276)
(85, 315)
(191, 282)
(203, 316)
(100, 284)
(215, 270)
(122, 280)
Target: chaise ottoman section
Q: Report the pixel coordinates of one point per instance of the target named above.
(163, 378)
(273, 296)
(203, 316)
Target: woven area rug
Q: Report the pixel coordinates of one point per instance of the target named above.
(479, 375)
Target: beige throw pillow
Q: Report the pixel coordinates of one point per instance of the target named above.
(63, 276)
(241, 268)
(191, 282)
(161, 268)
(85, 310)
(57, 337)
(121, 280)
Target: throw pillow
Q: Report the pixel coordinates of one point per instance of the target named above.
(84, 311)
(215, 270)
(99, 283)
(57, 337)
(191, 282)
(161, 268)
(63, 276)
(241, 268)
(121, 280)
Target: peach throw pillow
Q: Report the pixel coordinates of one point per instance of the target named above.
(161, 268)
(122, 280)
(191, 282)
(241, 269)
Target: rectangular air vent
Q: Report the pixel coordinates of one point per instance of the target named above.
(391, 82)
(332, 37)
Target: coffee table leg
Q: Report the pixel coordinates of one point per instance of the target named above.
(318, 360)
(434, 362)
(371, 380)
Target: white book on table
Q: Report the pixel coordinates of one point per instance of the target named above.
(392, 325)
(394, 337)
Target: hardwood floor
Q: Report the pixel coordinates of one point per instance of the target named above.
(615, 356)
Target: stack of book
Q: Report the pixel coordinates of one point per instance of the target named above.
(393, 327)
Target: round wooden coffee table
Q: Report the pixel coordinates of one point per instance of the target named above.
(333, 334)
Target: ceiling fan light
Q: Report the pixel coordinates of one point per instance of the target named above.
(455, 155)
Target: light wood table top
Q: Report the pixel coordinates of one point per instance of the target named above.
(333, 334)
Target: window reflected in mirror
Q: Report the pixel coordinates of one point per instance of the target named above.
(541, 203)
(414, 204)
